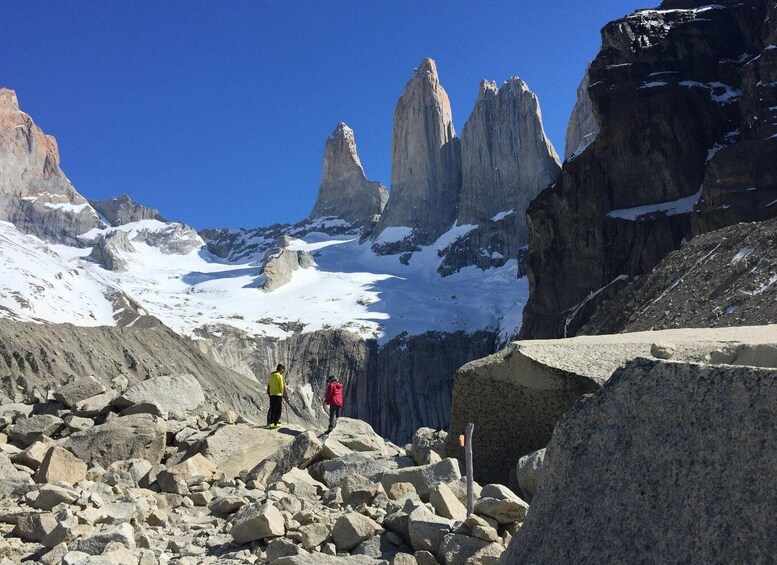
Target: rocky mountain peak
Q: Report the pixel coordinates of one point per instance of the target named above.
(506, 157)
(8, 100)
(35, 195)
(123, 210)
(345, 191)
(426, 159)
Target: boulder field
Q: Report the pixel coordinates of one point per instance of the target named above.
(127, 475)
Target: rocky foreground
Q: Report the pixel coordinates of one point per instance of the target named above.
(142, 474)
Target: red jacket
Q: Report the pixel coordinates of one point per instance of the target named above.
(334, 393)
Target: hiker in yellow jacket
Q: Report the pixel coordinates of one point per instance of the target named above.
(276, 390)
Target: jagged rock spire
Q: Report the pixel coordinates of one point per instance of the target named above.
(345, 191)
(506, 157)
(426, 158)
(35, 195)
(583, 126)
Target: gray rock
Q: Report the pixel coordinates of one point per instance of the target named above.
(529, 472)
(356, 435)
(123, 210)
(345, 191)
(427, 530)
(65, 531)
(446, 504)
(48, 496)
(662, 350)
(80, 389)
(359, 490)
(425, 441)
(426, 159)
(313, 535)
(257, 521)
(504, 511)
(321, 559)
(719, 451)
(34, 527)
(110, 251)
(13, 483)
(404, 559)
(226, 504)
(351, 529)
(33, 455)
(170, 393)
(282, 547)
(279, 268)
(303, 451)
(96, 543)
(377, 547)
(29, 430)
(583, 125)
(506, 157)
(95, 405)
(61, 466)
(459, 489)
(78, 424)
(195, 466)
(538, 386)
(332, 472)
(457, 549)
(425, 477)
(241, 448)
(131, 437)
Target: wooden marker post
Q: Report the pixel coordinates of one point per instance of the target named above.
(467, 441)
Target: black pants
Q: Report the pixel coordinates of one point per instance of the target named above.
(334, 414)
(274, 413)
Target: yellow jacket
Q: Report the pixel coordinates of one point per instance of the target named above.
(276, 386)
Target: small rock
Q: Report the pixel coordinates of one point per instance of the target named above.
(256, 522)
(59, 465)
(446, 504)
(351, 529)
(81, 389)
(662, 350)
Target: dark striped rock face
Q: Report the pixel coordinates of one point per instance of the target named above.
(345, 192)
(683, 96)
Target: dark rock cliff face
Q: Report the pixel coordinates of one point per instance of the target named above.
(670, 90)
(397, 387)
(723, 278)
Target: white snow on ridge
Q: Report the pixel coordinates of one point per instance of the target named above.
(393, 235)
(350, 287)
(38, 284)
(681, 206)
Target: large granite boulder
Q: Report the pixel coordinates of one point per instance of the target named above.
(678, 108)
(425, 162)
(129, 437)
(78, 390)
(345, 192)
(516, 396)
(241, 448)
(676, 458)
(171, 393)
(280, 266)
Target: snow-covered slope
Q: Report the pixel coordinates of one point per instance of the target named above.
(350, 287)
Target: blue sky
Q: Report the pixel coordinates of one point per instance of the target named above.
(217, 112)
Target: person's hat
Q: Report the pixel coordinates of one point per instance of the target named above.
(331, 378)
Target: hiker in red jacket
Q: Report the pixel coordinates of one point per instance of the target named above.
(334, 397)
